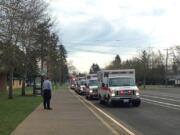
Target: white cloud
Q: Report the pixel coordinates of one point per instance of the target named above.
(116, 26)
(84, 60)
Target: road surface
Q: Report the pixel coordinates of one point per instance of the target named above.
(159, 113)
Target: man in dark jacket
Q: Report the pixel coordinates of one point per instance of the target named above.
(47, 88)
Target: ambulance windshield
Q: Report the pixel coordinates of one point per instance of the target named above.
(93, 83)
(121, 82)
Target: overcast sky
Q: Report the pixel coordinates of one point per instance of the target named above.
(94, 31)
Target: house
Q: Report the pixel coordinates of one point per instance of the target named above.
(17, 83)
(177, 80)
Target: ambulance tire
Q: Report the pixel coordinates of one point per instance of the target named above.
(90, 97)
(110, 103)
(136, 103)
(100, 100)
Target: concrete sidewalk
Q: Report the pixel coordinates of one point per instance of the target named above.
(68, 117)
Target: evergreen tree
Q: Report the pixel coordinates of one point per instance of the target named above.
(115, 64)
(94, 68)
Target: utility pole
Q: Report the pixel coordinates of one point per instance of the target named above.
(166, 66)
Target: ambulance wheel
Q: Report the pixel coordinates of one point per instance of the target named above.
(109, 102)
(100, 100)
(90, 97)
(136, 103)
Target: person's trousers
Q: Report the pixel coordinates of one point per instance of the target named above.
(46, 99)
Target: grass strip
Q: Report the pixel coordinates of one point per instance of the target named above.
(14, 111)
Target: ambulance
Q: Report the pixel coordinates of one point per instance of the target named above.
(118, 86)
(72, 83)
(81, 85)
(92, 87)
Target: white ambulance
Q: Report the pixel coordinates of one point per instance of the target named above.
(81, 85)
(118, 86)
(92, 86)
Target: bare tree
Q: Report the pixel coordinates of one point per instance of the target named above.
(176, 58)
(32, 12)
(10, 34)
(17, 19)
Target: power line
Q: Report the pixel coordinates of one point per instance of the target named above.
(98, 52)
(99, 40)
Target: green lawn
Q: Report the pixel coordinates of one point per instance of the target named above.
(13, 111)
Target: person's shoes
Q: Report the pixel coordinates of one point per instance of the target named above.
(49, 108)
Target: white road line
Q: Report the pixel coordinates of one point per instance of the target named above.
(163, 95)
(161, 98)
(162, 105)
(97, 116)
(113, 120)
(116, 122)
(100, 118)
(165, 104)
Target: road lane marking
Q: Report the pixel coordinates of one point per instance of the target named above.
(168, 105)
(116, 122)
(160, 98)
(96, 115)
(162, 105)
(100, 118)
(108, 116)
(163, 95)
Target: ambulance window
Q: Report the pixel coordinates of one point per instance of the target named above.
(106, 74)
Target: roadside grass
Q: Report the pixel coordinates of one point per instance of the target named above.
(14, 111)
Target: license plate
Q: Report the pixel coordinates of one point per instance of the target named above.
(126, 100)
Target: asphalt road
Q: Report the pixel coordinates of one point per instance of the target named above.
(159, 113)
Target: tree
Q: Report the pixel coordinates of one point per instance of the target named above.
(176, 58)
(42, 40)
(63, 64)
(6, 61)
(94, 68)
(51, 53)
(10, 32)
(149, 66)
(72, 69)
(32, 12)
(25, 30)
(115, 64)
(144, 58)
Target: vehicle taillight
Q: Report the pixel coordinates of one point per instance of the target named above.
(121, 92)
(130, 92)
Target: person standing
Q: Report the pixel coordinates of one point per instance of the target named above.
(47, 88)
